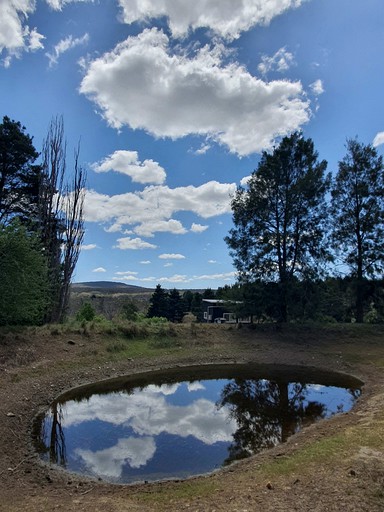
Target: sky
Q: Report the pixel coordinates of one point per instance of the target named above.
(173, 102)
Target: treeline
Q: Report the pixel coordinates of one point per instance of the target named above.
(173, 305)
(41, 224)
(297, 226)
(332, 299)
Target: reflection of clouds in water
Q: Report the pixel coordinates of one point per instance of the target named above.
(316, 387)
(164, 389)
(109, 462)
(195, 386)
(148, 413)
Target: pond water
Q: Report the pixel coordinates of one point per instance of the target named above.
(186, 421)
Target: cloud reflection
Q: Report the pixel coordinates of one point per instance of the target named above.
(149, 414)
(110, 461)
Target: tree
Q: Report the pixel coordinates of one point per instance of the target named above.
(60, 216)
(23, 276)
(175, 306)
(280, 219)
(358, 215)
(158, 303)
(19, 178)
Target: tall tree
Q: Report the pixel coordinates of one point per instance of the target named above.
(175, 306)
(61, 205)
(358, 215)
(158, 303)
(19, 177)
(280, 218)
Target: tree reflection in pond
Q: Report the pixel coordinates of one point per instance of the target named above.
(267, 413)
(135, 430)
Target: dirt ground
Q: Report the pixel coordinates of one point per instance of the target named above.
(333, 465)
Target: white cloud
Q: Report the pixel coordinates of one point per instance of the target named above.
(64, 45)
(144, 85)
(224, 17)
(127, 162)
(244, 181)
(172, 257)
(58, 5)
(35, 40)
(129, 277)
(15, 35)
(281, 61)
(145, 262)
(165, 226)
(227, 276)
(99, 270)
(378, 140)
(203, 149)
(88, 247)
(317, 87)
(198, 228)
(153, 207)
(126, 273)
(133, 244)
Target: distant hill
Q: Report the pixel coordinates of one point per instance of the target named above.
(108, 287)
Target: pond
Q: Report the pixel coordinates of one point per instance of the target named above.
(184, 421)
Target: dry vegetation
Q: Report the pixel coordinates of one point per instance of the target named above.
(333, 465)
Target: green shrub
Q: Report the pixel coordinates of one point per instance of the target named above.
(86, 312)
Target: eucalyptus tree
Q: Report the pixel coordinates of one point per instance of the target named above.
(357, 210)
(280, 218)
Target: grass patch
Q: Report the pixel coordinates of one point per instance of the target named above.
(182, 492)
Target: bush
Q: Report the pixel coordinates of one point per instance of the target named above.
(86, 312)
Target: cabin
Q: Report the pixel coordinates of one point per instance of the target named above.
(219, 311)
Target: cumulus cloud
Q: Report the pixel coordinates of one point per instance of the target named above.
(148, 229)
(143, 84)
(151, 209)
(88, 247)
(58, 5)
(65, 45)
(15, 35)
(127, 162)
(99, 270)
(225, 18)
(198, 228)
(133, 244)
(281, 61)
(378, 140)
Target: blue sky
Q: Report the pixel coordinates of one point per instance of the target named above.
(174, 100)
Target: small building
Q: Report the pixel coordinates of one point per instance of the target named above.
(219, 311)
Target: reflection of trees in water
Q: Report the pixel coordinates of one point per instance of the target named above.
(57, 447)
(266, 413)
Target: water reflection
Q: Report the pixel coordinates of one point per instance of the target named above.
(134, 431)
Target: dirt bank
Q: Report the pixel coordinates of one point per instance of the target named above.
(337, 464)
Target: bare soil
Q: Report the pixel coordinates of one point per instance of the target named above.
(334, 465)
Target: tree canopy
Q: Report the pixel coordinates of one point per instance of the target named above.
(357, 210)
(19, 177)
(280, 218)
(24, 296)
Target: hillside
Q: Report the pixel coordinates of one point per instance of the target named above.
(108, 287)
